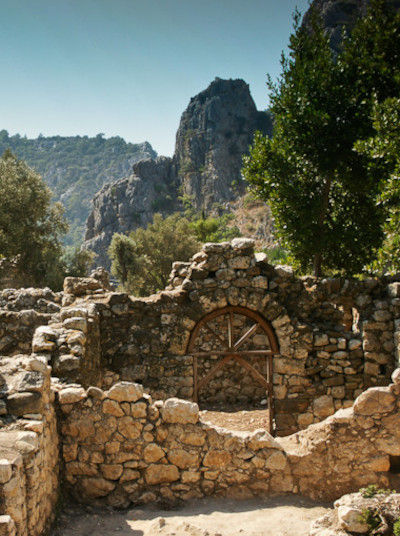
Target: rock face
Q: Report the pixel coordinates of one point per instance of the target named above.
(339, 14)
(215, 131)
(130, 203)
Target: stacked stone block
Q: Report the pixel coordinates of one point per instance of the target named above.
(29, 461)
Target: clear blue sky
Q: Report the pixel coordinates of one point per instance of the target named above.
(129, 67)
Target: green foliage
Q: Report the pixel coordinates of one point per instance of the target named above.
(371, 518)
(384, 148)
(30, 225)
(142, 261)
(321, 192)
(396, 528)
(76, 261)
(208, 229)
(372, 490)
(75, 168)
(278, 255)
(214, 229)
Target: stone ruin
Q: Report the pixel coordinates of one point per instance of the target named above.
(105, 400)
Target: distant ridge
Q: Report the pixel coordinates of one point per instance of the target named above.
(76, 167)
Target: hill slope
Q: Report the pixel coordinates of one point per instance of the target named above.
(76, 167)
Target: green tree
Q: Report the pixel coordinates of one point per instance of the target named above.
(76, 261)
(214, 229)
(142, 261)
(384, 148)
(322, 193)
(30, 225)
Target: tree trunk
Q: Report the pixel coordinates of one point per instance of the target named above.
(317, 263)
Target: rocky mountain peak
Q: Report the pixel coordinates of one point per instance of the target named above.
(215, 131)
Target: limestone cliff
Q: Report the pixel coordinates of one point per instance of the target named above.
(215, 131)
(339, 15)
(130, 203)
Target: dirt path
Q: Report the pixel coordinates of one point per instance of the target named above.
(244, 421)
(280, 516)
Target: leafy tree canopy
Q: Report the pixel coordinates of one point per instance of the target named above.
(321, 191)
(31, 226)
(385, 147)
(142, 261)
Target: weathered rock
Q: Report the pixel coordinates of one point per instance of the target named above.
(180, 411)
(350, 519)
(153, 453)
(5, 471)
(160, 474)
(70, 395)
(375, 400)
(323, 406)
(97, 487)
(125, 392)
(22, 403)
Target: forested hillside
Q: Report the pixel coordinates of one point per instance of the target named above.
(76, 167)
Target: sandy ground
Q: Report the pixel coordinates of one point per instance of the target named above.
(279, 516)
(244, 421)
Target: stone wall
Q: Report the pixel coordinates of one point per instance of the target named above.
(120, 447)
(21, 312)
(335, 337)
(29, 456)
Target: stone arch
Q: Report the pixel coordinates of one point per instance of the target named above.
(237, 344)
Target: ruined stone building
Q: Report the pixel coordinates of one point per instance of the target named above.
(101, 391)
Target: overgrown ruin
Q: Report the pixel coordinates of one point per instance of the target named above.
(102, 401)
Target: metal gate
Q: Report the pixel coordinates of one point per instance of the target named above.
(230, 343)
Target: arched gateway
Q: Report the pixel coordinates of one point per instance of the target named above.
(236, 334)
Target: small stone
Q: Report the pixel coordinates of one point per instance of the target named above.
(239, 263)
(21, 403)
(96, 393)
(182, 459)
(129, 475)
(153, 453)
(321, 340)
(96, 487)
(125, 392)
(323, 406)
(159, 474)
(216, 458)
(260, 282)
(180, 411)
(111, 471)
(76, 322)
(350, 519)
(243, 244)
(111, 407)
(5, 471)
(394, 290)
(276, 462)
(354, 344)
(374, 400)
(396, 376)
(70, 395)
(261, 439)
